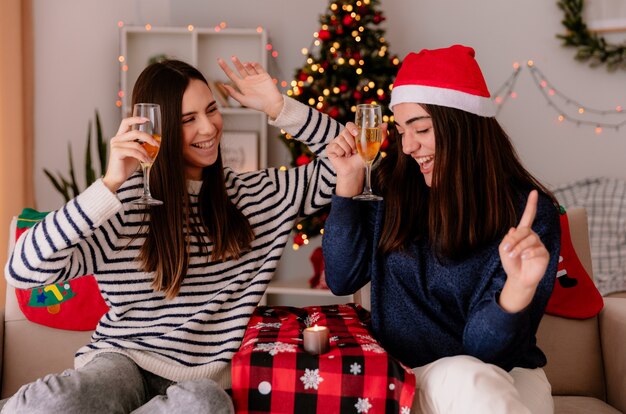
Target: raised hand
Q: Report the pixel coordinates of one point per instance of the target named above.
(126, 152)
(524, 259)
(256, 89)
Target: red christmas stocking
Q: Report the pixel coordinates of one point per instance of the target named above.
(574, 295)
(75, 305)
(318, 280)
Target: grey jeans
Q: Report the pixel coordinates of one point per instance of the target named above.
(113, 383)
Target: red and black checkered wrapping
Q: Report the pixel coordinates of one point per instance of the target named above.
(271, 372)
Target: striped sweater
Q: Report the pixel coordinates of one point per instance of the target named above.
(195, 334)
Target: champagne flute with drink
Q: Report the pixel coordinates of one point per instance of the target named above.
(152, 127)
(368, 121)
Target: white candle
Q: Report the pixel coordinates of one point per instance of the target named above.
(316, 340)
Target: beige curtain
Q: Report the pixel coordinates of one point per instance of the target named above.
(16, 117)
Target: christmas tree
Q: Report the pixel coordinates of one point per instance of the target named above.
(348, 64)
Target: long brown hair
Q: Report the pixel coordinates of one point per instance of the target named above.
(475, 192)
(167, 245)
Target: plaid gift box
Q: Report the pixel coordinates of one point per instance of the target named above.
(271, 372)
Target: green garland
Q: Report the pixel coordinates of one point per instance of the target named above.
(591, 46)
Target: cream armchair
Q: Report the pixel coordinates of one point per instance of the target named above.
(586, 358)
(29, 350)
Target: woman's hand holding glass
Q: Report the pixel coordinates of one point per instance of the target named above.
(151, 112)
(126, 152)
(348, 164)
(368, 120)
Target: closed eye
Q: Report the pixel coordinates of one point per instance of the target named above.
(190, 116)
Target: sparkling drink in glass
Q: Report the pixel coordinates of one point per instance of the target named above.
(368, 121)
(151, 127)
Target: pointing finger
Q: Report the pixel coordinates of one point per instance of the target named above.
(530, 211)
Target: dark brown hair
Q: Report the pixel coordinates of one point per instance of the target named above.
(166, 248)
(476, 189)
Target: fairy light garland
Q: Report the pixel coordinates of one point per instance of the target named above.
(269, 47)
(504, 92)
(549, 92)
(121, 59)
(501, 95)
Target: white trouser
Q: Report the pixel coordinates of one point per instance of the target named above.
(464, 384)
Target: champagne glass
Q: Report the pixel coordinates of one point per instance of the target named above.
(151, 127)
(368, 120)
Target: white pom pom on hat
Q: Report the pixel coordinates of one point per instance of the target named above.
(447, 77)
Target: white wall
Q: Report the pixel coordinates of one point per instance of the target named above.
(76, 47)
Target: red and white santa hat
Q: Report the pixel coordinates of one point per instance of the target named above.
(447, 77)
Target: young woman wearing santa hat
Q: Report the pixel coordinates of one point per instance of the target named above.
(462, 252)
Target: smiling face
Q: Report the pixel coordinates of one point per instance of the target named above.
(202, 128)
(418, 136)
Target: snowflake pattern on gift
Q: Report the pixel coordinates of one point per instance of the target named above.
(311, 378)
(312, 318)
(355, 369)
(373, 347)
(262, 325)
(363, 405)
(405, 410)
(275, 347)
(367, 338)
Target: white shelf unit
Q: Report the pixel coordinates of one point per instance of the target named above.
(298, 288)
(199, 47)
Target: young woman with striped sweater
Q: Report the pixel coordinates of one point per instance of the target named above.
(181, 279)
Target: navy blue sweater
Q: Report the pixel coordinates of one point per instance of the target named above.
(423, 309)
